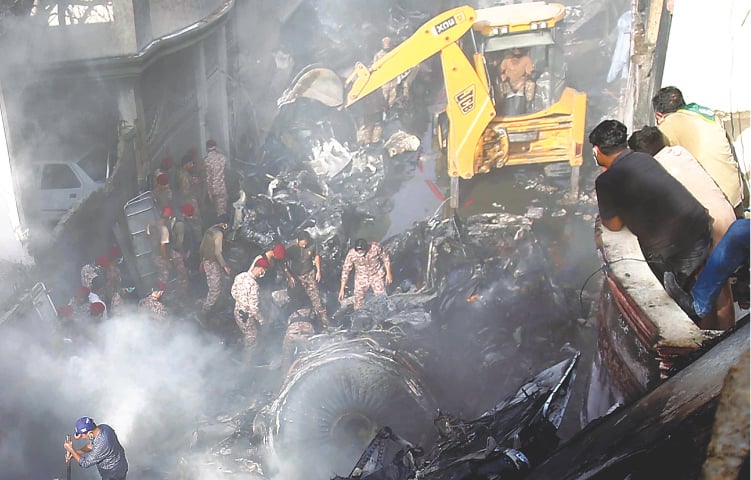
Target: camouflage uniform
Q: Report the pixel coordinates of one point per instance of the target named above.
(300, 262)
(160, 236)
(175, 258)
(212, 263)
(370, 271)
(189, 189)
(154, 307)
(215, 165)
(389, 88)
(297, 334)
(245, 292)
(177, 228)
(310, 285)
(88, 272)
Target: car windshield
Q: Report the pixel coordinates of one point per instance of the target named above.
(95, 164)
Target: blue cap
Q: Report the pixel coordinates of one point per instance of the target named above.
(84, 425)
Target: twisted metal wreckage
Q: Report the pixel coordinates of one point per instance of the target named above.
(469, 295)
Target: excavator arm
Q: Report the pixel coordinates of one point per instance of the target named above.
(469, 106)
(433, 37)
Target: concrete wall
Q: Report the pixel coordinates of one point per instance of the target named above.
(136, 24)
(33, 40)
(169, 17)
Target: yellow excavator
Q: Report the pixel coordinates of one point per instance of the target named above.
(504, 76)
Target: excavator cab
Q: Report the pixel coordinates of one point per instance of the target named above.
(539, 119)
(526, 72)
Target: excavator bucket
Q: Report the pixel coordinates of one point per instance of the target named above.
(318, 83)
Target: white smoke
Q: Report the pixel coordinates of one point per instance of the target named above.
(148, 381)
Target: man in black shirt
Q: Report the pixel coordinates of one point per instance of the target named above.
(635, 191)
(304, 266)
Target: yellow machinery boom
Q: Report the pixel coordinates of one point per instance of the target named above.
(469, 105)
(477, 139)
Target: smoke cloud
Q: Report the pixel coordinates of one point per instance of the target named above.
(150, 382)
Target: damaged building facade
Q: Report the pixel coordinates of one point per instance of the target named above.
(124, 84)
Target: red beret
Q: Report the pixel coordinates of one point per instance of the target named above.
(103, 261)
(262, 262)
(96, 308)
(279, 251)
(188, 210)
(161, 286)
(162, 179)
(81, 292)
(65, 311)
(115, 252)
(166, 163)
(167, 211)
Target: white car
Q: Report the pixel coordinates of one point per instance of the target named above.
(58, 185)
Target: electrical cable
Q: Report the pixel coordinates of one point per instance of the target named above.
(589, 277)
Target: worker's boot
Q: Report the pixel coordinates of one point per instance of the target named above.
(680, 296)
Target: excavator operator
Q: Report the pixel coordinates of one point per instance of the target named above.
(515, 75)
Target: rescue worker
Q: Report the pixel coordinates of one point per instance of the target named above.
(275, 257)
(162, 192)
(375, 106)
(372, 266)
(189, 186)
(248, 317)
(159, 235)
(177, 233)
(164, 167)
(104, 449)
(304, 267)
(215, 184)
(152, 303)
(212, 260)
(296, 337)
(389, 88)
(193, 234)
(199, 170)
(117, 259)
(165, 254)
(111, 273)
(698, 130)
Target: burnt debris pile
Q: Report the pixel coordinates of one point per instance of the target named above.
(471, 308)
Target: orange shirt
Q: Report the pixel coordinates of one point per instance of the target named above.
(516, 70)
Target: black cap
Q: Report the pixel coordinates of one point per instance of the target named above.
(223, 218)
(304, 235)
